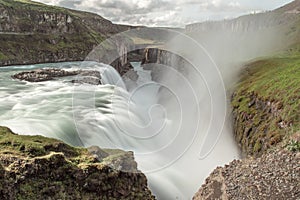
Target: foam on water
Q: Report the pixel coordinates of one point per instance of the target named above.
(165, 144)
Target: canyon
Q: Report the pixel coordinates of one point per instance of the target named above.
(32, 33)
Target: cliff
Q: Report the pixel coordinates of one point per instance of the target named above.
(32, 32)
(266, 121)
(35, 167)
(253, 22)
(163, 57)
(265, 104)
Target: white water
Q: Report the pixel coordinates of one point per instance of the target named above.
(153, 120)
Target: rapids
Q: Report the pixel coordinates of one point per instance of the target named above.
(161, 124)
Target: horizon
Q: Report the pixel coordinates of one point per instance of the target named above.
(167, 13)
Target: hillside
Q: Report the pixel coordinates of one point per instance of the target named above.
(32, 32)
(266, 103)
(266, 117)
(266, 124)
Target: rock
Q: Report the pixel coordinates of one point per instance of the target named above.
(35, 167)
(97, 152)
(33, 33)
(46, 74)
(274, 175)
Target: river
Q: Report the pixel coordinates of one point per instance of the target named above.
(164, 126)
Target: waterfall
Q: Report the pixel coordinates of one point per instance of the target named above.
(158, 121)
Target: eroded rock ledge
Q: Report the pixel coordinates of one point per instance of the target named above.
(35, 167)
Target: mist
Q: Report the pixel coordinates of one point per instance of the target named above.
(179, 123)
(200, 76)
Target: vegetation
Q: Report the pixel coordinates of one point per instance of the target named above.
(267, 102)
(35, 167)
(294, 145)
(38, 33)
(39, 146)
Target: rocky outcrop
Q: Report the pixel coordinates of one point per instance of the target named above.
(34, 167)
(46, 74)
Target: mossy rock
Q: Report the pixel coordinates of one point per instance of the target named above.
(36, 167)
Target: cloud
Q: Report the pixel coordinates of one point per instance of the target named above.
(159, 12)
(222, 6)
(135, 12)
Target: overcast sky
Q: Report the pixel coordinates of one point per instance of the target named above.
(176, 13)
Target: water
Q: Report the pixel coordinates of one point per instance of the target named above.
(155, 120)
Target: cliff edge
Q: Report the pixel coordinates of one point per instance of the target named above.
(35, 167)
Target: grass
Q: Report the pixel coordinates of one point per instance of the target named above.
(39, 146)
(273, 80)
(294, 146)
(36, 167)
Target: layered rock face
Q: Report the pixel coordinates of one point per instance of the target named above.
(34, 167)
(157, 55)
(33, 33)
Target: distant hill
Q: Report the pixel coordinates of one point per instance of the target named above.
(32, 32)
(253, 22)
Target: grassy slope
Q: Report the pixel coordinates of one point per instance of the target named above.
(274, 80)
(41, 46)
(37, 146)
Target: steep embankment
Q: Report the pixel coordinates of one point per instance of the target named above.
(32, 32)
(266, 122)
(35, 167)
(266, 105)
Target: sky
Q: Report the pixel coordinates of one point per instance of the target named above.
(168, 13)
